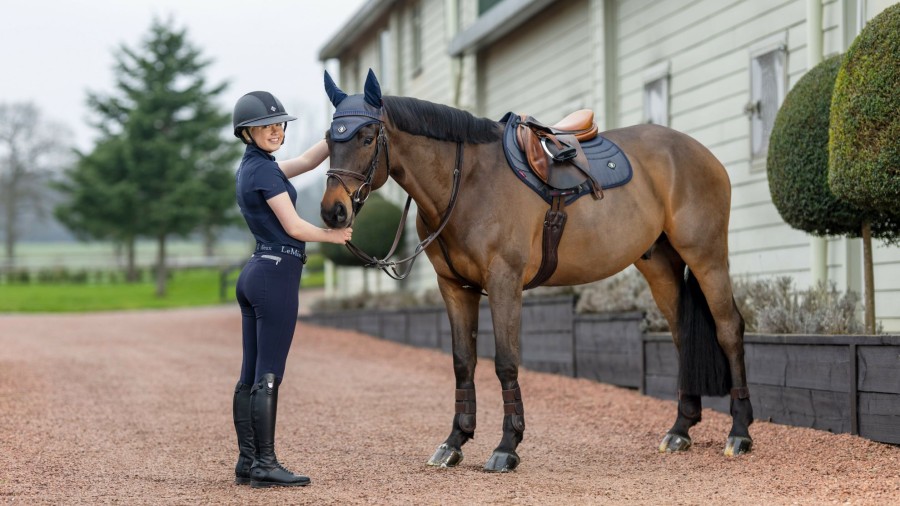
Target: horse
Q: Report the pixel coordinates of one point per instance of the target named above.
(481, 228)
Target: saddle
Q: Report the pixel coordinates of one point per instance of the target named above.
(554, 153)
(560, 163)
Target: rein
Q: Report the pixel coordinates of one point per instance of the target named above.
(390, 267)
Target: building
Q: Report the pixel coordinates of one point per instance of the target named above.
(714, 69)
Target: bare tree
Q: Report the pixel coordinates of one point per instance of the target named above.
(31, 148)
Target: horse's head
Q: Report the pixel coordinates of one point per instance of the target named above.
(358, 151)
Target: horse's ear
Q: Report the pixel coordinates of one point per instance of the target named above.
(334, 93)
(373, 90)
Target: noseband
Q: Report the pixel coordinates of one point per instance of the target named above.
(359, 198)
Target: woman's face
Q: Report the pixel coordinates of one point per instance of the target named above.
(269, 137)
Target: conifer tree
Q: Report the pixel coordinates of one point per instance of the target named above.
(164, 118)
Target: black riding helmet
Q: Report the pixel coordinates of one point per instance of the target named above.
(258, 108)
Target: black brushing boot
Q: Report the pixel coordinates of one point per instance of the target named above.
(242, 425)
(266, 471)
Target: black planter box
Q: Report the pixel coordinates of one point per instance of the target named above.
(608, 348)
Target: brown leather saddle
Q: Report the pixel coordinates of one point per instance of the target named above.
(554, 152)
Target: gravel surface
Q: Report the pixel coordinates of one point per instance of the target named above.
(135, 408)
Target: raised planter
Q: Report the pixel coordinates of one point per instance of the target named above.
(608, 348)
(836, 383)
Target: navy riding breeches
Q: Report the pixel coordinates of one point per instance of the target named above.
(267, 291)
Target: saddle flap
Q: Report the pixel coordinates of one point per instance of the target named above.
(530, 143)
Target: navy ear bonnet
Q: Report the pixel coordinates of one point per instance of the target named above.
(355, 111)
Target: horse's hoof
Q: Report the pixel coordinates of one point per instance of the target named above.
(445, 456)
(502, 462)
(674, 443)
(737, 445)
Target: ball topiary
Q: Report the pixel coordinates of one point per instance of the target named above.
(373, 232)
(797, 162)
(865, 118)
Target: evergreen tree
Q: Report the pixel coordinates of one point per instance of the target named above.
(164, 118)
(102, 201)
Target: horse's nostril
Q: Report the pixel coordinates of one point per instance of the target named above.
(340, 213)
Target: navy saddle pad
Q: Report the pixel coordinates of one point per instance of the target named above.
(609, 165)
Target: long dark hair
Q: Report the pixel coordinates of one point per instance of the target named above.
(441, 122)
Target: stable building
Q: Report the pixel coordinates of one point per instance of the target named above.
(716, 70)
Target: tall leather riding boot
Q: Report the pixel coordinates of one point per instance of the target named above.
(266, 471)
(244, 429)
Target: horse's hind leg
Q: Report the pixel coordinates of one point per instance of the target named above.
(462, 308)
(714, 366)
(715, 282)
(664, 271)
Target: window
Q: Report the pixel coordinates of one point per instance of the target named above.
(656, 95)
(417, 39)
(385, 61)
(486, 5)
(768, 81)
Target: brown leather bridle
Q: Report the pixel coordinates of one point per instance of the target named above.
(359, 197)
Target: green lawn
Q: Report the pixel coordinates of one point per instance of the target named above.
(191, 287)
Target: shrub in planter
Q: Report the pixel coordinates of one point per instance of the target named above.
(373, 232)
(626, 291)
(773, 306)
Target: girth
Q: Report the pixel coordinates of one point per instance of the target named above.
(554, 224)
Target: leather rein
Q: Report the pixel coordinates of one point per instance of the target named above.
(392, 267)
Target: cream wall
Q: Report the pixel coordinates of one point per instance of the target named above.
(596, 53)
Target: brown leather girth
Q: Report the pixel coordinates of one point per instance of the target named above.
(554, 224)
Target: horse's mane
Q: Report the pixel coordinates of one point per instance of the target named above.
(441, 122)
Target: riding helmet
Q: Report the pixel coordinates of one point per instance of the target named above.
(258, 108)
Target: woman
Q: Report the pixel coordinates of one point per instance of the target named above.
(267, 288)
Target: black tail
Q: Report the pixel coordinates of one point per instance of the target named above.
(703, 368)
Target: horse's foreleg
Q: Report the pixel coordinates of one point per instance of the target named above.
(506, 309)
(462, 308)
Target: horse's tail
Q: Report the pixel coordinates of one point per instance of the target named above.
(703, 367)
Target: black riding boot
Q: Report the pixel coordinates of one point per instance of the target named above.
(266, 471)
(244, 428)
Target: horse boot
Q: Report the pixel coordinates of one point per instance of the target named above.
(266, 470)
(244, 429)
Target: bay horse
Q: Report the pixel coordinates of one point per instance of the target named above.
(670, 221)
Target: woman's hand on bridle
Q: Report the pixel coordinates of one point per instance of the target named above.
(339, 235)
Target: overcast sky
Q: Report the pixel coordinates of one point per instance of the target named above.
(53, 52)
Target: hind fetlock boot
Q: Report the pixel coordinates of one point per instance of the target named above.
(244, 428)
(266, 471)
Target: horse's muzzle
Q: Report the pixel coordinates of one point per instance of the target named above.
(336, 216)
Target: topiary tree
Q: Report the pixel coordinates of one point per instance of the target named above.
(797, 162)
(373, 232)
(864, 161)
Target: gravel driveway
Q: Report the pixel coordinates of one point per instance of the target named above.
(135, 408)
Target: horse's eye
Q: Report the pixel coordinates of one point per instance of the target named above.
(368, 140)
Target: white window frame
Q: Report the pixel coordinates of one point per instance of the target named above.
(416, 43)
(761, 110)
(385, 61)
(657, 112)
